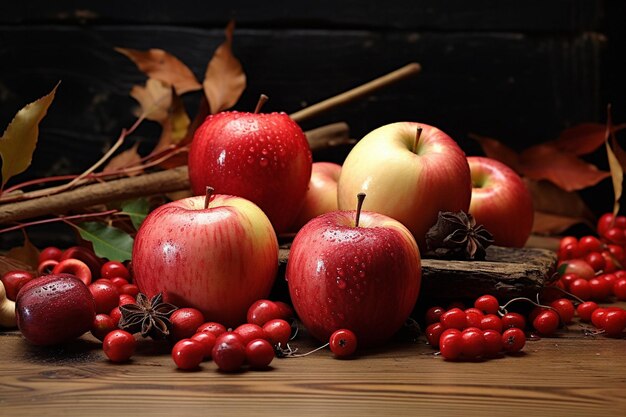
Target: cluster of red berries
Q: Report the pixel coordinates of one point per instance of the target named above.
(475, 332)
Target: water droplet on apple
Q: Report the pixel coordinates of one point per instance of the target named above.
(263, 162)
(250, 159)
(340, 271)
(341, 283)
(264, 151)
(362, 274)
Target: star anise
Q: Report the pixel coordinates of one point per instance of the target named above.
(456, 236)
(151, 316)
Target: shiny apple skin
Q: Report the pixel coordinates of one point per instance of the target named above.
(54, 309)
(218, 260)
(409, 187)
(500, 201)
(263, 157)
(365, 278)
(321, 196)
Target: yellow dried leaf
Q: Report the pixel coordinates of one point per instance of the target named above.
(617, 175)
(175, 126)
(163, 66)
(20, 138)
(27, 253)
(224, 80)
(155, 99)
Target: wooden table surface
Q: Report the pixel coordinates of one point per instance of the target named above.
(568, 375)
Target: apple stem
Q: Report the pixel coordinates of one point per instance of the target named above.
(418, 134)
(360, 197)
(207, 196)
(262, 100)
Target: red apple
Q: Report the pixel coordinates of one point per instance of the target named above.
(264, 158)
(500, 201)
(54, 309)
(321, 196)
(218, 259)
(364, 277)
(409, 171)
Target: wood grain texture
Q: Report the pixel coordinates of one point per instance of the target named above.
(568, 375)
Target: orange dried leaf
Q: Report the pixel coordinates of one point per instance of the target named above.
(566, 170)
(163, 66)
(497, 150)
(27, 253)
(224, 81)
(20, 138)
(10, 264)
(548, 198)
(155, 99)
(554, 224)
(128, 158)
(581, 139)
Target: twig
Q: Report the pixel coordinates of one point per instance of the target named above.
(59, 219)
(357, 92)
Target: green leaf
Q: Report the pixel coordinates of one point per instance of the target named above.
(108, 242)
(137, 210)
(20, 138)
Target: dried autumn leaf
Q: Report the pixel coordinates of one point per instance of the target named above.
(564, 169)
(553, 224)
(617, 176)
(548, 198)
(128, 158)
(224, 80)
(20, 138)
(155, 99)
(583, 138)
(497, 150)
(163, 66)
(175, 125)
(9, 264)
(27, 253)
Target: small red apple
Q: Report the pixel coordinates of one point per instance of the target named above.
(500, 201)
(410, 172)
(218, 258)
(54, 309)
(321, 196)
(363, 275)
(262, 157)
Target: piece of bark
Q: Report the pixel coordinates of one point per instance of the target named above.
(505, 273)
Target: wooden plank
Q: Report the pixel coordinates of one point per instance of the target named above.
(569, 374)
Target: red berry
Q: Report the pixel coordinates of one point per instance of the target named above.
(567, 280)
(579, 267)
(212, 327)
(491, 322)
(433, 333)
(564, 308)
(567, 240)
(615, 235)
(285, 310)
(619, 289)
(493, 342)
(342, 343)
(585, 310)
(513, 319)
(451, 344)
(596, 260)
(46, 267)
(130, 289)
(116, 315)
(600, 289)
(597, 317)
(609, 262)
(546, 322)
(118, 282)
(50, 252)
(453, 319)
(581, 289)
(259, 353)
(119, 345)
(185, 322)
(513, 340)
(102, 325)
(126, 299)
(208, 341)
(588, 244)
(229, 354)
(14, 280)
(262, 311)
(433, 314)
(112, 269)
(188, 353)
(473, 343)
(277, 331)
(104, 294)
(473, 319)
(618, 253)
(614, 323)
(488, 304)
(569, 251)
(75, 267)
(249, 332)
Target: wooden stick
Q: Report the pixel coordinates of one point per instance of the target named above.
(170, 180)
(357, 92)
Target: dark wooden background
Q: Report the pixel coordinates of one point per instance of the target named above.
(517, 70)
